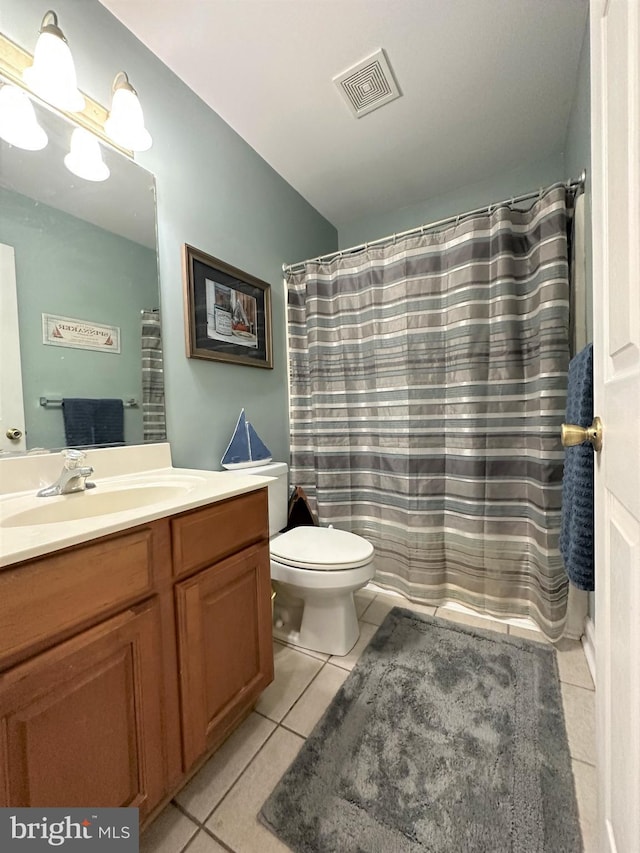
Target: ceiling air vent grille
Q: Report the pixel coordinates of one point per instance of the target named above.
(368, 85)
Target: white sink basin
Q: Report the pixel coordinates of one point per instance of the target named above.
(95, 502)
(143, 488)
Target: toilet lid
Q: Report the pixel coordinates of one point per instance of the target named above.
(321, 548)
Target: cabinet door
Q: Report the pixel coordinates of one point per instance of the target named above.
(225, 650)
(81, 725)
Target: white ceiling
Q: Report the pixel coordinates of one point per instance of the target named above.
(487, 85)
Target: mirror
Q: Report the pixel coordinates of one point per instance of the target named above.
(85, 266)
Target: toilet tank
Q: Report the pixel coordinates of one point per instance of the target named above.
(278, 492)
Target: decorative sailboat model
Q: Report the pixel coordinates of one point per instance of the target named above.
(246, 449)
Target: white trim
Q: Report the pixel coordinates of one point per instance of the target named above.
(589, 645)
(11, 395)
(577, 609)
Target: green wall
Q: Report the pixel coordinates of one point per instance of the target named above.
(70, 268)
(215, 193)
(507, 184)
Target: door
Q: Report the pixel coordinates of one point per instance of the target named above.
(11, 405)
(225, 648)
(615, 135)
(81, 724)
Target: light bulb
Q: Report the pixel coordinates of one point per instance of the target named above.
(18, 123)
(85, 158)
(125, 125)
(53, 75)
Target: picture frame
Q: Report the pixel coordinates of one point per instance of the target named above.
(227, 312)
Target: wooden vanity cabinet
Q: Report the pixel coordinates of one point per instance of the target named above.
(223, 611)
(82, 723)
(225, 652)
(125, 660)
(87, 696)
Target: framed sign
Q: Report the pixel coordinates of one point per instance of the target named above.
(227, 312)
(79, 334)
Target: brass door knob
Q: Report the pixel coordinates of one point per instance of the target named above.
(572, 434)
(14, 434)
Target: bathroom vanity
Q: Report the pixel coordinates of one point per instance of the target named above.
(132, 641)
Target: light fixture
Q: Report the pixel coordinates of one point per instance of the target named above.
(53, 75)
(18, 123)
(125, 125)
(85, 158)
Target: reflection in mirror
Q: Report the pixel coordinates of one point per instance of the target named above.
(83, 257)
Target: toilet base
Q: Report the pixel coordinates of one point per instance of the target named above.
(322, 623)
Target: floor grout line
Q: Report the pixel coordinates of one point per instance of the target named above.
(202, 828)
(324, 663)
(292, 731)
(573, 684)
(582, 761)
(217, 840)
(201, 824)
(189, 817)
(300, 649)
(577, 686)
(235, 782)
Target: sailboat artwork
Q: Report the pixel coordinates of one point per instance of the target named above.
(246, 449)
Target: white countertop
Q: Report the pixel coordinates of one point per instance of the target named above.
(176, 490)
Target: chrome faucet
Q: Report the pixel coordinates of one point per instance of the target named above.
(72, 477)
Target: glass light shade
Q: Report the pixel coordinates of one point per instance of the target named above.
(85, 158)
(53, 75)
(18, 123)
(125, 125)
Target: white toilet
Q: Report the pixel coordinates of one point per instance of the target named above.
(315, 571)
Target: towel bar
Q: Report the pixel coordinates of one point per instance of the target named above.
(571, 434)
(56, 402)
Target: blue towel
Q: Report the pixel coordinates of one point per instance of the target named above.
(93, 422)
(576, 532)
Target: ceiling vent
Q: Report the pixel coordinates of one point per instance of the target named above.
(368, 85)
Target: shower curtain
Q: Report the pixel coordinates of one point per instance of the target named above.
(153, 416)
(428, 385)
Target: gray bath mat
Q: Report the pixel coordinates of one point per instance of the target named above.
(443, 739)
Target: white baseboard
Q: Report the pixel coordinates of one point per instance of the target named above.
(589, 645)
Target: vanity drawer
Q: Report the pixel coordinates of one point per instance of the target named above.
(42, 600)
(204, 536)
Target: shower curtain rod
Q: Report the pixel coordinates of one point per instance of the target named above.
(420, 229)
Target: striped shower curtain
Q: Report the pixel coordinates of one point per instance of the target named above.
(153, 416)
(428, 383)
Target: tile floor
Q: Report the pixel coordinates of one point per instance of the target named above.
(217, 810)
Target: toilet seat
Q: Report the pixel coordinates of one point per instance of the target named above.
(321, 549)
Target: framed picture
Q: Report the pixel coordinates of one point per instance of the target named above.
(227, 312)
